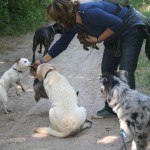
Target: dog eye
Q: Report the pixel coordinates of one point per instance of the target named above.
(25, 61)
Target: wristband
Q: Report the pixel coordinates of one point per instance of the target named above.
(99, 40)
(42, 61)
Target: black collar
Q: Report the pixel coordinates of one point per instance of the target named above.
(17, 70)
(48, 72)
(53, 29)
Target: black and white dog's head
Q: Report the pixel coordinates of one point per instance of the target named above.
(117, 81)
(39, 90)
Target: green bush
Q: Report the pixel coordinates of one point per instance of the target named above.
(142, 72)
(19, 16)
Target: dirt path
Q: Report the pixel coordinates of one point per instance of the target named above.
(82, 69)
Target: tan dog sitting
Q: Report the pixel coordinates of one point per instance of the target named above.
(65, 116)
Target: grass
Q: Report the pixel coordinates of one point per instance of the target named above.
(142, 73)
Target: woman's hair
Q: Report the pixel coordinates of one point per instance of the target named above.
(63, 12)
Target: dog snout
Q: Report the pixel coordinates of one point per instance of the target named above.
(29, 64)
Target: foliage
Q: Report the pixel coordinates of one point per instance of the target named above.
(18, 16)
(142, 74)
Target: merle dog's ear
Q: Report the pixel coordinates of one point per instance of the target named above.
(104, 80)
(105, 77)
(122, 74)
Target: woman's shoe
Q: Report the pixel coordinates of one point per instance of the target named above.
(104, 113)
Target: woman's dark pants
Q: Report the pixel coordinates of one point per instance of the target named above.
(131, 44)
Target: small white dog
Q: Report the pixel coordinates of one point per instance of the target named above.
(11, 78)
(65, 116)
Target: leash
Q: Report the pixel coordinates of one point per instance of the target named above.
(123, 135)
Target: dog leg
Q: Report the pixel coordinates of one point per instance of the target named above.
(5, 99)
(16, 88)
(46, 46)
(35, 43)
(85, 48)
(21, 84)
(40, 51)
(6, 111)
(87, 124)
(33, 58)
(5, 108)
(140, 142)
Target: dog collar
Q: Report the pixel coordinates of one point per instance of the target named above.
(53, 29)
(17, 70)
(48, 72)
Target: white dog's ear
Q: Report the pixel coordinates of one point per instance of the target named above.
(17, 60)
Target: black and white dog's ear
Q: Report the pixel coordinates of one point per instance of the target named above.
(104, 80)
(122, 74)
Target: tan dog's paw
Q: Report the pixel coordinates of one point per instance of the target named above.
(37, 130)
(40, 130)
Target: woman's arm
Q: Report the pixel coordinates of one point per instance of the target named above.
(59, 46)
(106, 34)
(101, 18)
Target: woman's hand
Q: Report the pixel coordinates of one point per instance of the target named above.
(91, 39)
(36, 63)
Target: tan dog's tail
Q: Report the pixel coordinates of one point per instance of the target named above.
(50, 131)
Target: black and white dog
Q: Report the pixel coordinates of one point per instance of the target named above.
(44, 36)
(131, 107)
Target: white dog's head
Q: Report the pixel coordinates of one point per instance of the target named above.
(43, 69)
(22, 64)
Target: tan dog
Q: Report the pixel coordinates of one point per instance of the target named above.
(65, 116)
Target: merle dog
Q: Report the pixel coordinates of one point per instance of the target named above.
(131, 106)
(45, 36)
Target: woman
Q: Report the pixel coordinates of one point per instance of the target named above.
(120, 29)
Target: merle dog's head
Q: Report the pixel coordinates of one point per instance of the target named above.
(116, 80)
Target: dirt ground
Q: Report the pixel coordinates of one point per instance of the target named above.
(82, 69)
